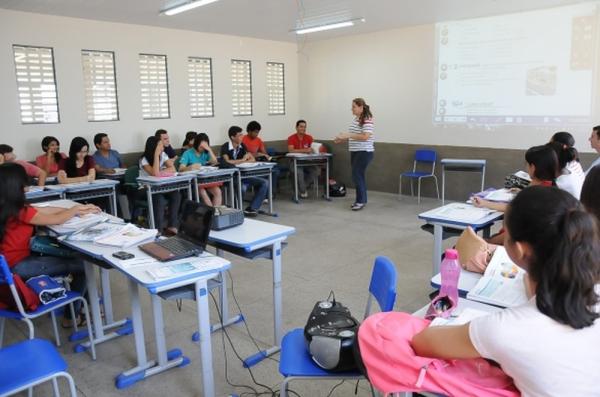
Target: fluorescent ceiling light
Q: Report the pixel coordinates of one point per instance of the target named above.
(328, 26)
(186, 6)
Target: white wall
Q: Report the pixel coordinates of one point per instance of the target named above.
(393, 70)
(68, 36)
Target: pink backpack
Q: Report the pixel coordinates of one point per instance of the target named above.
(392, 366)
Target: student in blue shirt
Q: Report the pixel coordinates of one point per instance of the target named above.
(193, 159)
(106, 159)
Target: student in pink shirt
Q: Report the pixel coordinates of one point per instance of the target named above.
(52, 156)
(7, 156)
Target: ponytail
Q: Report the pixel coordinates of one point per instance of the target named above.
(366, 113)
(565, 154)
(566, 253)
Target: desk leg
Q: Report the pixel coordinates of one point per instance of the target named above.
(205, 342)
(106, 296)
(483, 179)
(271, 193)
(240, 195)
(443, 185)
(295, 161)
(189, 190)
(151, 224)
(277, 310)
(438, 230)
(231, 192)
(327, 180)
(113, 201)
(195, 188)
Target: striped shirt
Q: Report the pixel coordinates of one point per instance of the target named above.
(355, 145)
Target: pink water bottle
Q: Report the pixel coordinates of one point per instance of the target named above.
(450, 272)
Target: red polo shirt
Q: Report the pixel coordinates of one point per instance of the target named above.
(300, 143)
(254, 145)
(15, 244)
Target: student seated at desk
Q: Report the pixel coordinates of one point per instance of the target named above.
(79, 166)
(233, 153)
(570, 178)
(595, 143)
(163, 135)
(549, 345)
(155, 162)
(256, 147)
(590, 192)
(8, 156)
(188, 142)
(105, 157)
(50, 160)
(193, 159)
(17, 221)
(301, 142)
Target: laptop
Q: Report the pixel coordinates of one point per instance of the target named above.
(191, 239)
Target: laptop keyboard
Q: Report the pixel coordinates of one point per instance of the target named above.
(178, 246)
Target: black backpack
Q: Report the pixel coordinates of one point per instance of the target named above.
(330, 334)
(337, 189)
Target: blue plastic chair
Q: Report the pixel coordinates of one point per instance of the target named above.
(30, 363)
(6, 278)
(296, 362)
(422, 156)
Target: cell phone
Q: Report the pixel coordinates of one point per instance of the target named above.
(123, 255)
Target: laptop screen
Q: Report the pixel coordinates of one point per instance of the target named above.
(195, 224)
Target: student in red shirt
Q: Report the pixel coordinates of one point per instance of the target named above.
(301, 142)
(79, 166)
(17, 221)
(255, 146)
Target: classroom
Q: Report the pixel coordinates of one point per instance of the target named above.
(300, 198)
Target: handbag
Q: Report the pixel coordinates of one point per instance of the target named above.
(474, 253)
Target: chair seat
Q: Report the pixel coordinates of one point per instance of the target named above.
(416, 174)
(296, 361)
(42, 309)
(28, 361)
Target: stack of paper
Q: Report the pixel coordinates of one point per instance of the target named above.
(96, 232)
(459, 212)
(502, 283)
(247, 165)
(126, 236)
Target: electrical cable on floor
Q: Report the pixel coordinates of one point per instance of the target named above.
(335, 387)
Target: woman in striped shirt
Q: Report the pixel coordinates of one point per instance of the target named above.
(360, 143)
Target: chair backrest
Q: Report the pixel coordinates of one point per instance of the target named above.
(383, 284)
(131, 174)
(5, 273)
(425, 155)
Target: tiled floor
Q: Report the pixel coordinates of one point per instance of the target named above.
(333, 249)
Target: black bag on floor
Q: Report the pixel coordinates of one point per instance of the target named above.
(330, 333)
(336, 189)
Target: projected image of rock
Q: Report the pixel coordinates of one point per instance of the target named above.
(541, 81)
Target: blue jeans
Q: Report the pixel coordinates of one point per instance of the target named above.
(160, 202)
(54, 266)
(360, 161)
(261, 189)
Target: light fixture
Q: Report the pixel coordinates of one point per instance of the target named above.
(189, 5)
(329, 26)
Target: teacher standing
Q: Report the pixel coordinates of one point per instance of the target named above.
(361, 146)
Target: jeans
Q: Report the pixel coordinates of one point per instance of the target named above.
(54, 266)
(261, 189)
(159, 201)
(306, 174)
(360, 161)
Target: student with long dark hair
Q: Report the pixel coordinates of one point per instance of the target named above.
(155, 162)
(193, 159)
(188, 142)
(361, 144)
(590, 192)
(571, 174)
(50, 160)
(17, 220)
(549, 345)
(79, 166)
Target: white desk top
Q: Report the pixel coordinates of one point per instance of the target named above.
(439, 216)
(83, 186)
(247, 167)
(251, 234)
(462, 304)
(463, 162)
(157, 180)
(466, 281)
(301, 156)
(43, 192)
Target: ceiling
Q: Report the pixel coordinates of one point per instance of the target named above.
(273, 19)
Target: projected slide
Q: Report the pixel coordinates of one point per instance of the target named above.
(528, 68)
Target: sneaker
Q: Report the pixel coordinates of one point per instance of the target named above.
(265, 201)
(304, 195)
(357, 206)
(249, 212)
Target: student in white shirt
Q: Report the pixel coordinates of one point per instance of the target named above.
(595, 143)
(549, 346)
(571, 174)
(155, 162)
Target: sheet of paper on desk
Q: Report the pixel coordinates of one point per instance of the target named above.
(171, 270)
(126, 236)
(462, 213)
(246, 165)
(502, 284)
(462, 317)
(96, 232)
(501, 195)
(293, 154)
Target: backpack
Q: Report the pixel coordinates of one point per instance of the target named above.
(392, 366)
(336, 189)
(330, 334)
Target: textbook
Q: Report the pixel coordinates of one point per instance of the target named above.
(502, 284)
(126, 236)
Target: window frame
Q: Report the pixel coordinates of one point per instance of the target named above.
(114, 58)
(212, 88)
(249, 62)
(167, 82)
(282, 88)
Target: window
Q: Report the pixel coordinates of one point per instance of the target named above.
(100, 85)
(241, 87)
(36, 84)
(200, 84)
(275, 88)
(155, 86)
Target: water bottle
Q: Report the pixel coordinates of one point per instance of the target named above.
(450, 272)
